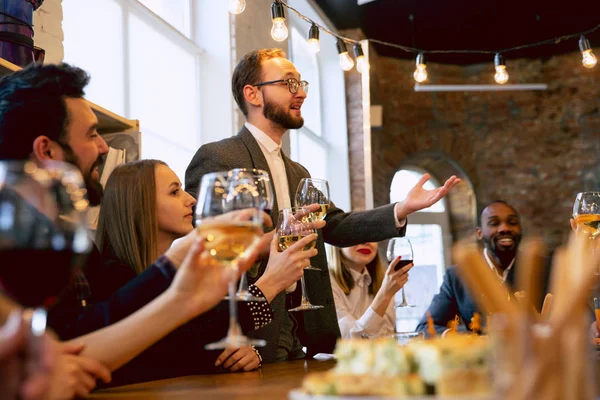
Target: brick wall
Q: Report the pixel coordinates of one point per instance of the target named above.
(536, 150)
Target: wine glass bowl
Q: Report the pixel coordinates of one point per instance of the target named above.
(586, 212)
(400, 247)
(43, 229)
(266, 197)
(313, 191)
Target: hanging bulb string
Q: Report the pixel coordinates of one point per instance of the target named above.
(408, 49)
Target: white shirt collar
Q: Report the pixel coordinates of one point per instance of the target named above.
(361, 279)
(493, 267)
(263, 138)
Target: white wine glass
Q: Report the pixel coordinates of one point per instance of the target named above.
(264, 185)
(586, 212)
(400, 247)
(227, 241)
(313, 191)
(291, 227)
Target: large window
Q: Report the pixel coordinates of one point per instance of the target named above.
(321, 145)
(143, 67)
(428, 231)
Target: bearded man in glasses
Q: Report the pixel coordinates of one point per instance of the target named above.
(270, 92)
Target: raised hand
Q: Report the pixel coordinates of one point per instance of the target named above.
(419, 198)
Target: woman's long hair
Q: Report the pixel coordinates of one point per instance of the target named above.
(128, 222)
(342, 276)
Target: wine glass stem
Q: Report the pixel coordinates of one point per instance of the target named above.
(304, 292)
(404, 302)
(234, 328)
(243, 287)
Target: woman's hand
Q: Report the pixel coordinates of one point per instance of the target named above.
(286, 267)
(395, 280)
(242, 359)
(75, 375)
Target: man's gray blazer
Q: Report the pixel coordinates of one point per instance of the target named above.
(318, 330)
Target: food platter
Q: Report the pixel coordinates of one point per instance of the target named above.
(299, 394)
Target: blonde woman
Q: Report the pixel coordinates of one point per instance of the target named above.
(363, 289)
(144, 209)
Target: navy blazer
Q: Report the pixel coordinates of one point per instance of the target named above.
(453, 299)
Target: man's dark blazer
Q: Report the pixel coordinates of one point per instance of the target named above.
(318, 330)
(454, 299)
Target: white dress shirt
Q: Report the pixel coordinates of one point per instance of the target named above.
(493, 267)
(354, 313)
(272, 152)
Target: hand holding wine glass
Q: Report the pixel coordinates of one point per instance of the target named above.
(292, 227)
(400, 247)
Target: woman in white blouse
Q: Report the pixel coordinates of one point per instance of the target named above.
(364, 289)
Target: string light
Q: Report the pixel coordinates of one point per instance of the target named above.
(588, 58)
(346, 62)
(501, 75)
(420, 74)
(313, 39)
(237, 6)
(279, 32)
(362, 65)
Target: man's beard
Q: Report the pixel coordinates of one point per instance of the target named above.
(505, 255)
(277, 114)
(94, 188)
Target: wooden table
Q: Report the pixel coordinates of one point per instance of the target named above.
(273, 381)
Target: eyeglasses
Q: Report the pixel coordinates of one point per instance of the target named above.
(292, 83)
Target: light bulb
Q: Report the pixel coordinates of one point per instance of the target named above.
(279, 32)
(501, 75)
(589, 59)
(314, 46)
(362, 65)
(420, 74)
(313, 39)
(346, 62)
(237, 6)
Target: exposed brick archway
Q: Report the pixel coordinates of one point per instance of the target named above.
(461, 202)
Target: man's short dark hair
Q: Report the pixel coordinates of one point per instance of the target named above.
(248, 72)
(489, 204)
(32, 104)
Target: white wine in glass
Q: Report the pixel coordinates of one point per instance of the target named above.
(586, 212)
(291, 227)
(226, 240)
(313, 191)
(263, 183)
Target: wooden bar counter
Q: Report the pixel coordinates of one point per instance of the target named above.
(272, 381)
